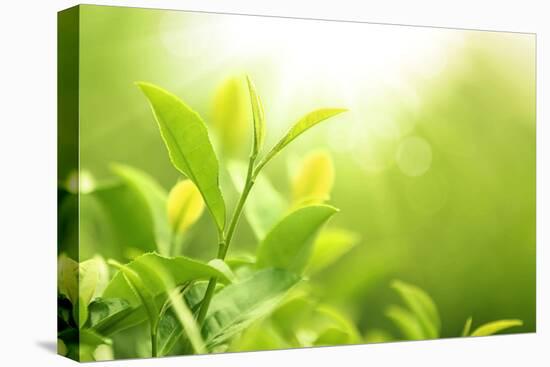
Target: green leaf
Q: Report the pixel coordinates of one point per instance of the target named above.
(169, 332)
(240, 260)
(329, 246)
(223, 268)
(93, 276)
(188, 323)
(289, 244)
(65, 315)
(154, 197)
(259, 336)
(304, 124)
(238, 305)
(305, 323)
(104, 313)
(124, 218)
(130, 317)
(406, 322)
(136, 284)
(467, 327)
(314, 180)
(338, 329)
(422, 306)
(265, 206)
(175, 318)
(189, 147)
(258, 117)
(181, 270)
(67, 277)
(295, 313)
(496, 326)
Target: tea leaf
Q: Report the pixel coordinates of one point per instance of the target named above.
(422, 306)
(238, 305)
(154, 197)
(138, 287)
(265, 205)
(180, 269)
(125, 219)
(339, 330)
(189, 147)
(90, 337)
(237, 261)
(329, 246)
(231, 115)
(406, 322)
(185, 206)
(104, 313)
(131, 317)
(258, 116)
(223, 268)
(169, 332)
(467, 327)
(314, 180)
(304, 124)
(496, 326)
(294, 312)
(259, 336)
(188, 323)
(289, 244)
(67, 277)
(304, 322)
(93, 277)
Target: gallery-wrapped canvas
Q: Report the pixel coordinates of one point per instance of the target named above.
(234, 183)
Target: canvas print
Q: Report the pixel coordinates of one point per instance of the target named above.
(232, 183)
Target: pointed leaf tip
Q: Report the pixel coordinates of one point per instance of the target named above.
(188, 144)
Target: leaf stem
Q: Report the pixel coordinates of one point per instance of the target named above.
(250, 177)
(225, 241)
(154, 352)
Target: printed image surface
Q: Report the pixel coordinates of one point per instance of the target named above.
(256, 183)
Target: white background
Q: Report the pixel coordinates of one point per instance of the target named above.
(28, 183)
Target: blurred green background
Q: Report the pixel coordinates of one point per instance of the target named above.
(435, 162)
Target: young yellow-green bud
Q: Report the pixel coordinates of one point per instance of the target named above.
(185, 206)
(314, 179)
(231, 115)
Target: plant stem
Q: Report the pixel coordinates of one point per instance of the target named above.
(153, 343)
(205, 303)
(226, 240)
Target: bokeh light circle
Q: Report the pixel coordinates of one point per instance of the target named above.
(414, 156)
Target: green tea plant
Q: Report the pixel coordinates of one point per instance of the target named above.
(146, 289)
(241, 302)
